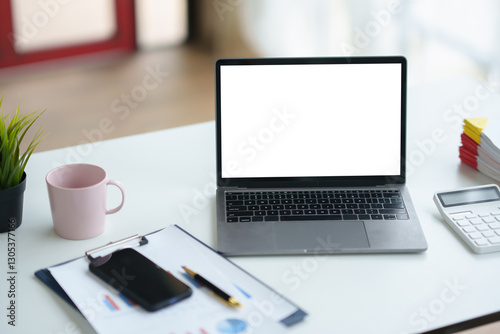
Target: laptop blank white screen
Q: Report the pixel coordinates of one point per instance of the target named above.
(310, 120)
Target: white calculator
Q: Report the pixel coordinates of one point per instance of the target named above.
(474, 214)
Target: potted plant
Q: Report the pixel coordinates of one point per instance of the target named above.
(13, 163)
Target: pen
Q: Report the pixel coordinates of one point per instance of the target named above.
(231, 301)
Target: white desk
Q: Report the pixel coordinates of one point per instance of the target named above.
(166, 171)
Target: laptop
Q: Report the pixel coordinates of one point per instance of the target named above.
(311, 157)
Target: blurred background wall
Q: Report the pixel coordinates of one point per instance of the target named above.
(146, 65)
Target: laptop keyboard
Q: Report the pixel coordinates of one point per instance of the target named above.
(289, 206)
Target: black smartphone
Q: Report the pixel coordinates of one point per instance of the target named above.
(140, 279)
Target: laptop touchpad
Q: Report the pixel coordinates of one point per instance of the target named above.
(321, 236)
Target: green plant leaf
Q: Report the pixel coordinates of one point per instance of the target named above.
(12, 134)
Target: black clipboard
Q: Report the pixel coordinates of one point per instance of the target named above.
(46, 277)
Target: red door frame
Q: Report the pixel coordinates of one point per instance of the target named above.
(123, 40)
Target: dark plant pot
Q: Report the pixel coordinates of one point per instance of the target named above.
(11, 206)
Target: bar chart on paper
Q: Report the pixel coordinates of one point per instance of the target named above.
(119, 304)
(110, 303)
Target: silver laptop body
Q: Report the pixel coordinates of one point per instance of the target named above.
(311, 157)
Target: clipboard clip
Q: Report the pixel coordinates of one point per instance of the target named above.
(142, 240)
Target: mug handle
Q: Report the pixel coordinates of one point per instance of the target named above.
(119, 185)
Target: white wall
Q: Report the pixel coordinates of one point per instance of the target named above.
(46, 24)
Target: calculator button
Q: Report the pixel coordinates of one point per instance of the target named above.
(482, 228)
(495, 213)
(464, 223)
(470, 216)
(489, 234)
(481, 242)
(494, 240)
(489, 220)
(475, 235)
(458, 218)
(469, 229)
(484, 214)
(475, 221)
(494, 226)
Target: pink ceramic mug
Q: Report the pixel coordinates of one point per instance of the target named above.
(77, 194)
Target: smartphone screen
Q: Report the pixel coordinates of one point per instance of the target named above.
(140, 279)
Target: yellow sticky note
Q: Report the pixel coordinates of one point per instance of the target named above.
(473, 127)
(478, 123)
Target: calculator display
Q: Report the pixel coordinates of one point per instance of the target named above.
(471, 196)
